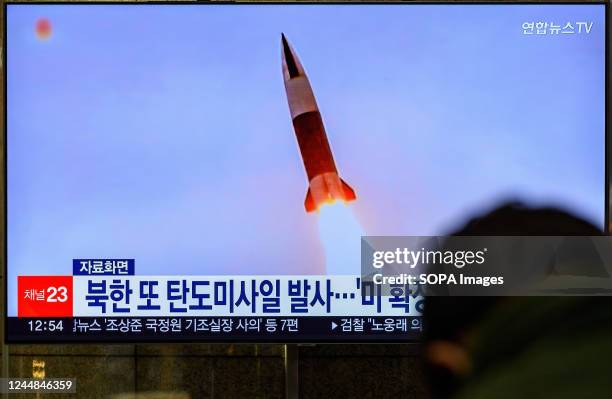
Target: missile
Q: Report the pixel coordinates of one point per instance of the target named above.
(324, 183)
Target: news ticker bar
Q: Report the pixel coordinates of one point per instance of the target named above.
(37, 385)
(206, 296)
(214, 329)
(489, 265)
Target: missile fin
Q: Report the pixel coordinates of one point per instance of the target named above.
(309, 202)
(349, 193)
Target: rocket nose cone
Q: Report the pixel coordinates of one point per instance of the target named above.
(289, 60)
(284, 42)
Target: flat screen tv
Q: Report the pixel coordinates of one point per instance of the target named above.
(205, 172)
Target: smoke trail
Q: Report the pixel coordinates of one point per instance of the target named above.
(340, 234)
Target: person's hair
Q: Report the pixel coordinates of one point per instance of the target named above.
(448, 318)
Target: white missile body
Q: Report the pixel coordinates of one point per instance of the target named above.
(324, 183)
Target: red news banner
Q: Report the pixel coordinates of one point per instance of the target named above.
(44, 296)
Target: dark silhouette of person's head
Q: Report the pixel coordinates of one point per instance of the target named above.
(448, 319)
(516, 219)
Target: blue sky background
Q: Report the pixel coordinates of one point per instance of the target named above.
(162, 133)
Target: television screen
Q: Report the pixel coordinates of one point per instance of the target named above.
(206, 172)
